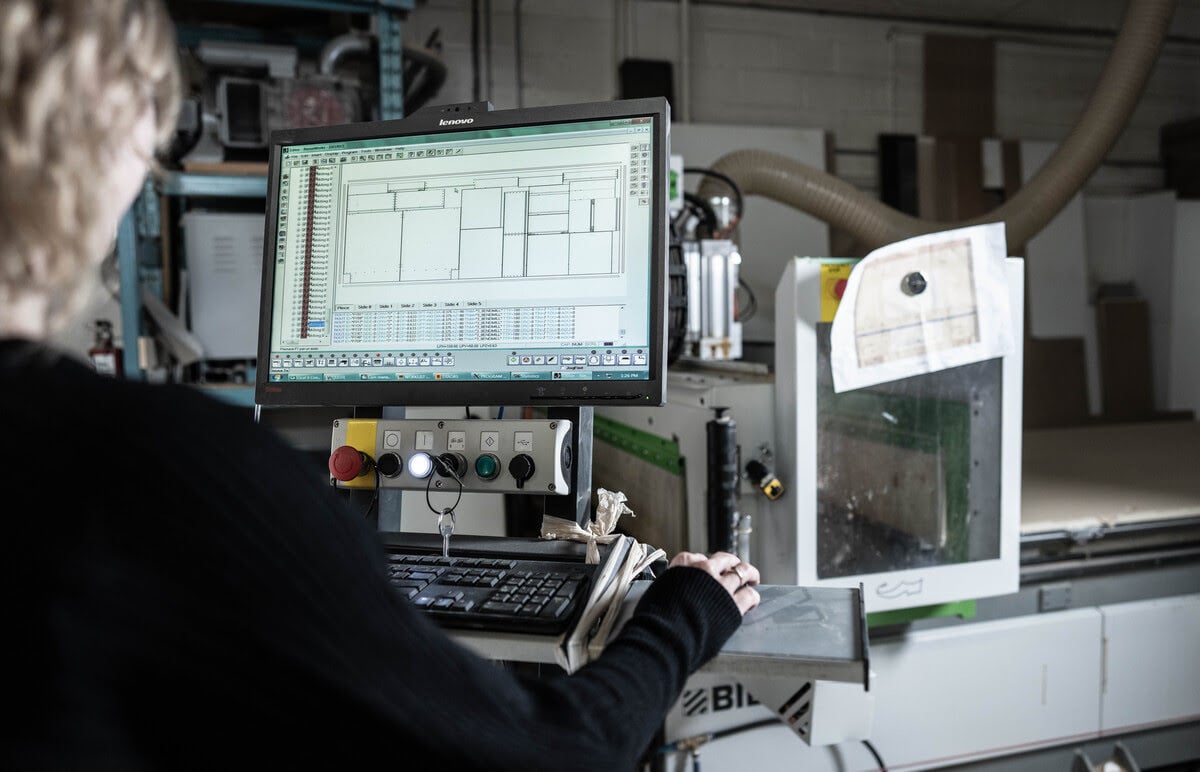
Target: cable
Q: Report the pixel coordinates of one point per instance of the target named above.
(677, 303)
(683, 212)
(374, 496)
(693, 744)
(875, 753)
(737, 195)
(428, 74)
(443, 470)
(704, 211)
(745, 314)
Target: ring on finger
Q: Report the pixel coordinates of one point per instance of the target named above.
(739, 571)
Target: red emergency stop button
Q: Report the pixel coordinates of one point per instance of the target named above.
(839, 288)
(346, 463)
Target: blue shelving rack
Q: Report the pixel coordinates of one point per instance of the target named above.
(141, 222)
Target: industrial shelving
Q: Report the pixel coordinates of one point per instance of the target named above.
(142, 222)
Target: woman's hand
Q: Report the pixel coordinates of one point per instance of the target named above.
(737, 577)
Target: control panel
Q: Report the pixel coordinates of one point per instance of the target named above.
(529, 456)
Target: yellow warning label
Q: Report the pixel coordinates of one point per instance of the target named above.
(833, 284)
(360, 433)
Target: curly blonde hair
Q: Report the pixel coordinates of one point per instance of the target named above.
(76, 76)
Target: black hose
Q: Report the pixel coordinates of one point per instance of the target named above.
(705, 211)
(433, 75)
(875, 754)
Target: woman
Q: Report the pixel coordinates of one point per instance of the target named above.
(180, 591)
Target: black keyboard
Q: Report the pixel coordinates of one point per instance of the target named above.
(518, 595)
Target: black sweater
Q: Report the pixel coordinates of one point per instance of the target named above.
(181, 591)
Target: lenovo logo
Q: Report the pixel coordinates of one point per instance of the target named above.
(455, 121)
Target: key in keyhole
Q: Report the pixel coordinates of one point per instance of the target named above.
(446, 527)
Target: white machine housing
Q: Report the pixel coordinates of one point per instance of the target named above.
(789, 544)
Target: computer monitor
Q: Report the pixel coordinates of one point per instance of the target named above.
(468, 256)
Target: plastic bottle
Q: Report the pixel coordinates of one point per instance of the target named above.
(105, 355)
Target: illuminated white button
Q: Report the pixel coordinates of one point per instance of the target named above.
(623, 359)
(420, 465)
(436, 361)
(527, 360)
(639, 359)
(354, 361)
(552, 359)
(512, 360)
(389, 361)
(391, 439)
(522, 442)
(320, 363)
(539, 360)
(489, 440)
(610, 359)
(424, 440)
(424, 361)
(412, 361)
(593, 360)
(287, 363)
(456, 440)
(448, 361)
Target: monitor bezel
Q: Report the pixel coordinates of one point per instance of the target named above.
(548, 393)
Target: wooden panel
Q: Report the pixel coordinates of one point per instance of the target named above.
(657, 497)
(1055, 392)
(1126, 387)
(1109, 475)
(959, 85)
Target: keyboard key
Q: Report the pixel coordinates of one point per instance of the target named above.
(500, 608)
(555, 608)
(568, 589)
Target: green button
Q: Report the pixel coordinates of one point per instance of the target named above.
(487, 467)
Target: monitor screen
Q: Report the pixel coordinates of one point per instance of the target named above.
(467, 256)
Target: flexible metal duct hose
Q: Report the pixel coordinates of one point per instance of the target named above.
(873, 223)
(338, 47)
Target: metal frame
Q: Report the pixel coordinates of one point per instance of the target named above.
(391, 94)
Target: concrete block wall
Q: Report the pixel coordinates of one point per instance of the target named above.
(854, 76)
